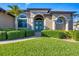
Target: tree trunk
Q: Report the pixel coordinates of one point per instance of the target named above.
(16, 23)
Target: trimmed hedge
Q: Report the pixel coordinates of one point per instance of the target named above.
(61, 34)
(28, 32)
(6, 29)
(76, 35)
(49, 33)
(67, 34)
(56, 34)
(2, 35)
(10, 33)
(24, 32)
(15, 34)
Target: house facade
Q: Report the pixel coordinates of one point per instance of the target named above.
(43, 18)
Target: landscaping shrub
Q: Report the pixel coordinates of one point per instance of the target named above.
(64, 35)
(76, 35)
(15, 34)
(56, 34)
(6, 29)
(2, 35)
(71, 34)
(28, 32)
(49, 33)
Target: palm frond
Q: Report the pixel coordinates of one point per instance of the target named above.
(15, 10)
(11, 7)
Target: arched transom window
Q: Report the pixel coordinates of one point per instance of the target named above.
(60, 20)
(60, 23)
(22, 20)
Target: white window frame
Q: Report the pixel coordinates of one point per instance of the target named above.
(23, 19)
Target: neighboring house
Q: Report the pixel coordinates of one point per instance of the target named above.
(41, 18)
(75, 26)
(6, 19)
(76, 22)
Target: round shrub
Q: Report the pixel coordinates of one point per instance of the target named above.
(64, 35)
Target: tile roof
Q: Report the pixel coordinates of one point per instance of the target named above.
(63, 11)
(39, 8)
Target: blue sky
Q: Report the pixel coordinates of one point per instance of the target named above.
(57, 6)
(53, 6)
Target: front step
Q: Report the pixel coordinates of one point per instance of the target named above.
(38, 34)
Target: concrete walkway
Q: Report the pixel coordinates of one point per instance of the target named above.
(17, 40)
(37, 34)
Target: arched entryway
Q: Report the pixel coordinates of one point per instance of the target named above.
(60, 23)
(38, 23)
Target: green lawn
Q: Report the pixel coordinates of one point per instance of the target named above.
(40, 47)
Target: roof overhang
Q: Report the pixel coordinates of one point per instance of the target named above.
(4, 11)
(70, 12)
(38, 9)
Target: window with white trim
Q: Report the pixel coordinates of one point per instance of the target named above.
(22, 20)
(60, 20)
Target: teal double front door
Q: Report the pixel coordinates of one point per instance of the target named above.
(38, 25)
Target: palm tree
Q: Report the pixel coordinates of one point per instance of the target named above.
(16, 11)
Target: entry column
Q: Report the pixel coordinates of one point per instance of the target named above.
(31, 23)
(53, 24)
(67, 22)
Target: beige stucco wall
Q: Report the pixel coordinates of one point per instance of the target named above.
(31, 15)
(71, 23)
(6, 21)
(49, 19)
(68, 18)
(29, 20)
